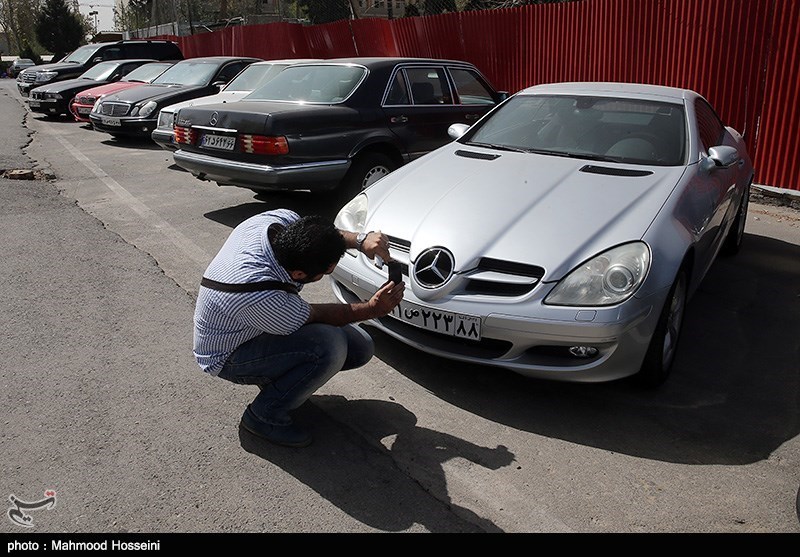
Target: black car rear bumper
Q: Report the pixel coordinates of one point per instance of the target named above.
(315, 176)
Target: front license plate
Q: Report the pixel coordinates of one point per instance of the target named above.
(110, 121)
(34, 103)
(84, 109)
(444, 322)
(218, 142)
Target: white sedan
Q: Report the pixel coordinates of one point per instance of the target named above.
(562, 235)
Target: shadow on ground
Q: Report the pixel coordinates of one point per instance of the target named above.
(369, 481)
(303, 203)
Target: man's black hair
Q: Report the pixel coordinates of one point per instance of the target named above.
(311, 244)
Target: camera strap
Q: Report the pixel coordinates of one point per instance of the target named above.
(249, 286)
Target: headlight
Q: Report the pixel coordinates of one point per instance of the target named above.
(165, 119)
(97, 107)
(42, 77)
(54, 96)
(609, 278)
(147, 109)
(353, 216)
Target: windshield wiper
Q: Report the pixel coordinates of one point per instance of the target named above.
(586, 156)
(499, 147)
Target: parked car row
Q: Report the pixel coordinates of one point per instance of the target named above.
(85, 57)
(558, 233)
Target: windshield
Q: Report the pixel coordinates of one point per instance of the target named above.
(101, 72)
(146, 73)
(254, 75)
(595, 128)
(188, 73)
(314, 84)
(81, 55)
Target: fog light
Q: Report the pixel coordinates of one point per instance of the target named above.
(583, 351)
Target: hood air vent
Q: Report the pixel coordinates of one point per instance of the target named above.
(609, 171)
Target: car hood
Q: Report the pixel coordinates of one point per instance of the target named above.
(521, 207)
(223, 97)
(76, 84)
(151, 92)
(55, 66)
(109, 88)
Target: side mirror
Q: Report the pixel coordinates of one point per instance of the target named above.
(721, 156)
(219, 84)
(503, 95)
(97, 59)
(457, 130)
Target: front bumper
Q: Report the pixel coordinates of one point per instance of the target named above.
(315, 176)
(24, 87)
(134, 127)
(523, 336)
(48, 106)
(81, 111)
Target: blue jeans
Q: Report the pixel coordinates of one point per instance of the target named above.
(289, 368)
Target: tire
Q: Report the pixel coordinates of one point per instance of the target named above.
(733, 241)
(660, 354)
(367, 169)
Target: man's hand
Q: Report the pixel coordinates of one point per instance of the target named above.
(382, 302)
(386, 298)
(376, 243)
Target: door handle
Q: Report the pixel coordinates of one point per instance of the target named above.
(398, 119)
(472, 116)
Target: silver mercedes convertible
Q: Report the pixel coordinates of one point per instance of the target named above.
(560, 236)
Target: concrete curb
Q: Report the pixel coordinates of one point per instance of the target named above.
(769, 195)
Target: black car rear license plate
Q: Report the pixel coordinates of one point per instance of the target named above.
(224, 142)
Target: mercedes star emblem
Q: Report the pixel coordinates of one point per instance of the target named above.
(434, 267)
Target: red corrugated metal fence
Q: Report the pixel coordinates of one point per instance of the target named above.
(742, 55)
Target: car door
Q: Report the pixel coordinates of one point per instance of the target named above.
(712, 188)
(419, 106)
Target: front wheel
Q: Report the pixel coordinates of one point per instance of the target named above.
(365, 171)
(733, 241)
(664, 343)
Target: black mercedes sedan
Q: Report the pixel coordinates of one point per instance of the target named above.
(53, 99)
(134, 112)
(337, 124)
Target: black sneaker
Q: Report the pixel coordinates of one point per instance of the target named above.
(285, 435)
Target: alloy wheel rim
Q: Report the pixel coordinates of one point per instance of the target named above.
(373, 175)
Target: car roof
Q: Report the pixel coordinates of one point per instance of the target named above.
(217, 59)
(638, 90)
(129, 60)
(383, 61)
(287, 61)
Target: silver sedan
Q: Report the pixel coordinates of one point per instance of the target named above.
(562, 235)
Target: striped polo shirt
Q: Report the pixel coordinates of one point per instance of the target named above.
(224, 321)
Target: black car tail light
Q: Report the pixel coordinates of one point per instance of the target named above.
(186, 136)
(263, 145)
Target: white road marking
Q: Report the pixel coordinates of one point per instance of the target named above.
(189, 248)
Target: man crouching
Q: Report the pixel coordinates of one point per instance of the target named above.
(252, 327)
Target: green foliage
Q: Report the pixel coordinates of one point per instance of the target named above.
(27, 51)
(59, 29)
(325, 11)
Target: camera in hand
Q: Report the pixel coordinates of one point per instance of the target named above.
(395, 272)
